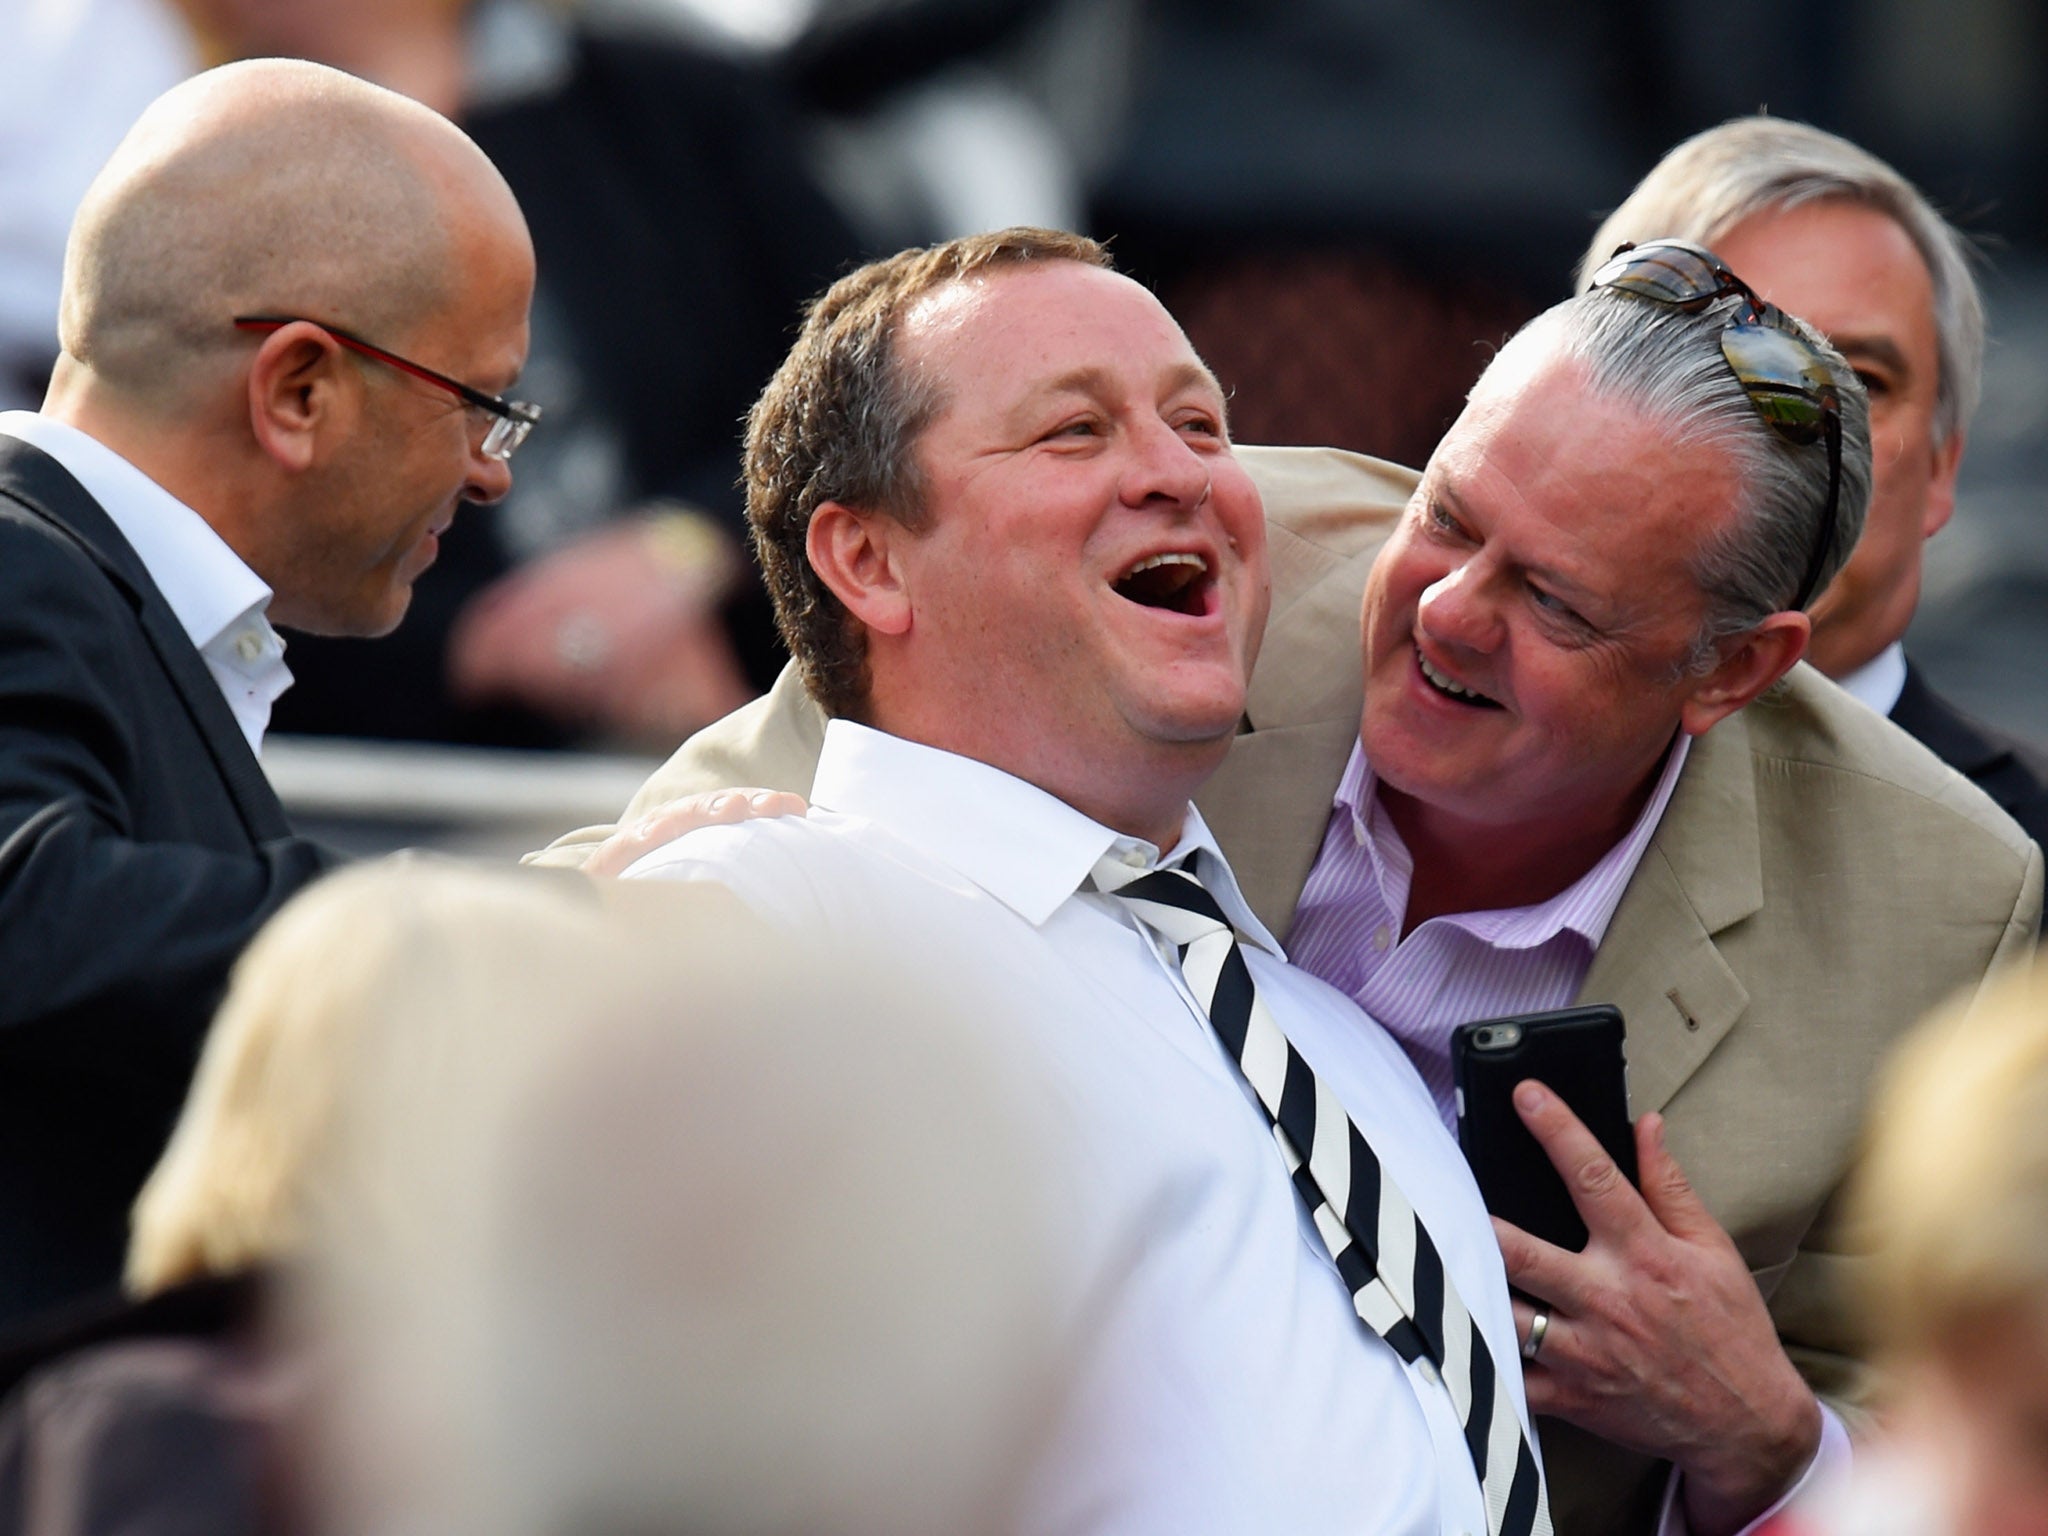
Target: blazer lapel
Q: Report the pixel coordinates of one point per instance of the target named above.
(1270, 801)
(44, 486)
(1265, 808)
(1658, 962)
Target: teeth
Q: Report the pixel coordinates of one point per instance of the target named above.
(1456, 690)
(1177, 557)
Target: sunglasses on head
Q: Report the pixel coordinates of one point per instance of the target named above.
(1784, 376)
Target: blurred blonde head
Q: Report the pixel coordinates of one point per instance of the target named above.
(608, 1210)
(725, 1231)
(1955, 1191)
(1956, 1176)
(408, 938)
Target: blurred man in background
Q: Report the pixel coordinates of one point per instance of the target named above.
(1836, 236)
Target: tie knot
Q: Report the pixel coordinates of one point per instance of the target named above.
(1171, 900)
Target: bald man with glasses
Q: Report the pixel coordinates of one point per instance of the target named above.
(292, 305)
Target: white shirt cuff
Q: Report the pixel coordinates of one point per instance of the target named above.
(1831, 1460)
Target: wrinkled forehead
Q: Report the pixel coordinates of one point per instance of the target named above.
(1526, 361)
(1543, 452)
(1539, 391)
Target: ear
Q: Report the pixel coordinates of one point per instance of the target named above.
(303, 395)
(1941, 489)
(1752, 663)
(859, 556)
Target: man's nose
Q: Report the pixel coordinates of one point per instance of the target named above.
(489, 479)
(1460, 609)
(1166, 465)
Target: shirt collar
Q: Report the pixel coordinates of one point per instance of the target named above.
(1585, 907)
(207, 585)
(1878, 683)
(1027, 848)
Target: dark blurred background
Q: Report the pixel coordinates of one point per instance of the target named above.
(1346, 202)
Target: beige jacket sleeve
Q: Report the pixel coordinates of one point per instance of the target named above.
(772, 743)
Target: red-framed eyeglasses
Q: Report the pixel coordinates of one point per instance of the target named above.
(511, 420)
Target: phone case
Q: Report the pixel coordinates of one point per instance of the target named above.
(1580, 1054)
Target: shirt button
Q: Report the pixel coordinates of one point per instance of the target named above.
(1426, 1369)
(1382, 936)
(1134, 857)
(1357, 833)
(249, 645)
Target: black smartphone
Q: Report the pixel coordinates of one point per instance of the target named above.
(1580, 1054)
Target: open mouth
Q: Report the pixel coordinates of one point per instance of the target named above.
(1453, 690)
(1177, 581)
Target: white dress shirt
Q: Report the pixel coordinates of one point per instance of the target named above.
(1878, 683)
(1226, 1385)
(219, 602)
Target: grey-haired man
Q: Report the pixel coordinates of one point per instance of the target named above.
(1832, 233)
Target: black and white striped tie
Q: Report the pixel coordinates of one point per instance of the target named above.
(1382, 1251)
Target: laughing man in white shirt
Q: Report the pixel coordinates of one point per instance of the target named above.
(1022, 569)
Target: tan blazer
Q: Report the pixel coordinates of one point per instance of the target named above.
(1818, 882)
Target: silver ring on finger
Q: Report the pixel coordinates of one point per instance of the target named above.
(1539, 1325)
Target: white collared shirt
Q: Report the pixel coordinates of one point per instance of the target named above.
(1231, 1387)
(219, 602)
(1878, 683)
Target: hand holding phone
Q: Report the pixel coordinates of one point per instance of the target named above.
(1580, 1055)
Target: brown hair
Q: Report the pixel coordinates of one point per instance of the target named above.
(840, 422)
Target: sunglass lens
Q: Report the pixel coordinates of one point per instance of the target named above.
(1783, 376)
(1663, 271)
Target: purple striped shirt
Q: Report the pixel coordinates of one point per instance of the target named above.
(1454, 969)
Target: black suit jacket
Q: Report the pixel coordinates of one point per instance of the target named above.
(140, 847)
(2011, 771)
